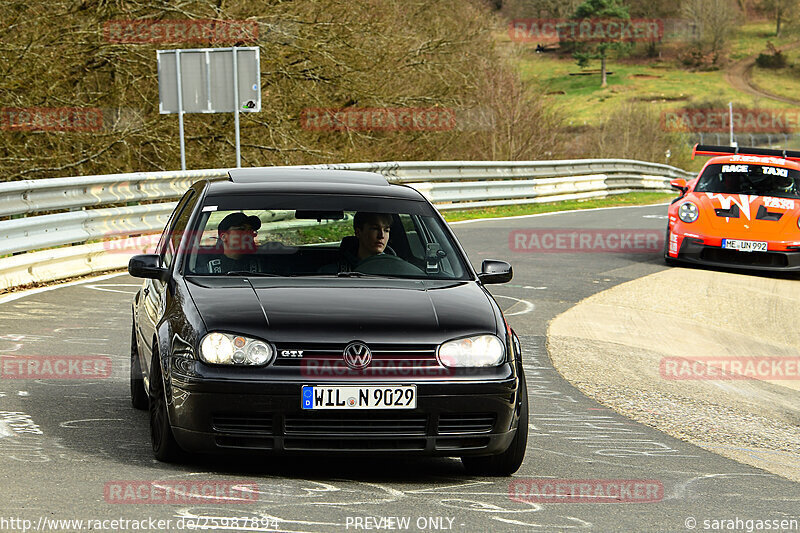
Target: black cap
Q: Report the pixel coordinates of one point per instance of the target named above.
(238, 219)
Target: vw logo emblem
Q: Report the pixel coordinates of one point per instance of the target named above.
(357, 355)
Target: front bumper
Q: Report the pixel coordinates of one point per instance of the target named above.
(709, 251)
(452, 418)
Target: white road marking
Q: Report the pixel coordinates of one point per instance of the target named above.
(23, 294)
(527, 306)
(78, 423)
(580, 524)
(103, 287)
(5, 431)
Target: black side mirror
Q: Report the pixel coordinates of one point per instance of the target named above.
(147, 266)
(493, 271)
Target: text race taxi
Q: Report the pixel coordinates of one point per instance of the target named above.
(300, 311)
(741, 211)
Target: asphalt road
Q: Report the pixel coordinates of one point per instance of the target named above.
(65, 444)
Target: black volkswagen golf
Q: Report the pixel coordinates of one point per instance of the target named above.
(323, 311)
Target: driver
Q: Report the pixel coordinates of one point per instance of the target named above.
(371, 239)
(237, 234)
(372, 232)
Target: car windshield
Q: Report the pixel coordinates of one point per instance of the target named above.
(762, 180)
(307, 235)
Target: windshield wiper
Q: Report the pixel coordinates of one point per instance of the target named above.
(247, 273)
(355, 275)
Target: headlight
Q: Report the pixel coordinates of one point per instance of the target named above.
(482, 350)
(226, 349)
(688, 212)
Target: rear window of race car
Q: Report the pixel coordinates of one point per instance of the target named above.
(748, 178)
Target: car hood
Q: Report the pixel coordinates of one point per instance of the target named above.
(342, 310)
(760, 217)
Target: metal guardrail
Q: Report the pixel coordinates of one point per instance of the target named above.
(85, 216)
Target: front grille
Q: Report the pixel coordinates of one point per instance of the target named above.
(764, 214)
(244, 424)
(326, 352)
(251, 443)
(355, 425)
(462, 443)
(735, 257)
(732, 212)
(295, 444)
(466, 423)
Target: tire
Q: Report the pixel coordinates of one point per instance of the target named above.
(505, 463)
(165, 448)
(138, 394)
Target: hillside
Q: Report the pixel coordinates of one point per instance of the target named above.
(77, 100)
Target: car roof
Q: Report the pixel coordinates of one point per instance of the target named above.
(309, 181)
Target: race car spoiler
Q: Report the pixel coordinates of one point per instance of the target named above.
(707, 149)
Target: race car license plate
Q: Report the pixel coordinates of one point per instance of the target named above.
(359, 397)
(744, 246)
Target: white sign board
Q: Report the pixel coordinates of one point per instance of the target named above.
(207, 80)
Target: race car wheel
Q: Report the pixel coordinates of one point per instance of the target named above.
(509, 461)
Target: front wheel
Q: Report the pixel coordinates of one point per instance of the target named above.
(165, 448)
(509, 461)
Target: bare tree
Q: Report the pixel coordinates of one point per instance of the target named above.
(324, 54)
(634, 131)
(782, 10)
(540, 8)
(714, 20)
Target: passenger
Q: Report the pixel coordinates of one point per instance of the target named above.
(237, 234)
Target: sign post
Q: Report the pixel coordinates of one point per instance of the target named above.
(209, 80)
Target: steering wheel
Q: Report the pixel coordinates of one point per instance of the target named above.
(388, 265)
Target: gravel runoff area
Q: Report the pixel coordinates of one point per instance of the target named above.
(626, 346)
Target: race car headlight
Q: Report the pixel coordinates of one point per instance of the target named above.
(688, 212)
(226, 349)
(478, 351)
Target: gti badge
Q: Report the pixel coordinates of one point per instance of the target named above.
(291, 353)
(357, 355)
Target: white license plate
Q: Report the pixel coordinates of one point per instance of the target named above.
(744, 246)
(354, 397)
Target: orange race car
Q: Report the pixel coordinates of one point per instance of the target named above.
(741, 211)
